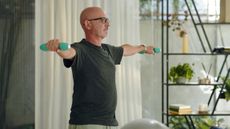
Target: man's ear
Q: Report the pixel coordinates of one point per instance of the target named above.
(87, 24)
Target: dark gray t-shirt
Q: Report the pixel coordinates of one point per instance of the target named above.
(94, 97)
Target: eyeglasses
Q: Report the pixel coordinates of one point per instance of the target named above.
(102, 19)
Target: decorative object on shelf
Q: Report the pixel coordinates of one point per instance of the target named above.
(175, 23)
(176, 109)
(181, 71)
(221, 50)
(203, 109)
(200, 122)
(185, 42)
(224, 11)
(226, 93)
(206, 79)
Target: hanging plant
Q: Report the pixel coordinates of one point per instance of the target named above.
(178, 17)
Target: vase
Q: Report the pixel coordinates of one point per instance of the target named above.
(185, 43)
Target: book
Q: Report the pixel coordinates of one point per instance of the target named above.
(178, 109)
(179, 106)
(180, 112)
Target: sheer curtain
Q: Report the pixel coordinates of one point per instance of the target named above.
(60, 19)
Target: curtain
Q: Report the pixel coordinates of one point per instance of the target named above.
(54, 84)
(9, 35)
(16, 65)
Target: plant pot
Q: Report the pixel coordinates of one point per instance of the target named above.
(214, 127)
(222, 95)
(181, 80)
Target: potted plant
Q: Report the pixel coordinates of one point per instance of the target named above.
(200, 122)
(181, 73)
(226, 91)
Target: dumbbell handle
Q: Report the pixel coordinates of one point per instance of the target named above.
(62, 46)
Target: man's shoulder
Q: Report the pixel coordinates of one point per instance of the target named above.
(77, 44)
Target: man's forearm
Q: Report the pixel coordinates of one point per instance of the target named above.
(131, 50)
(68, 54)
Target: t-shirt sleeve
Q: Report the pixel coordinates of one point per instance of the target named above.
(116, 53)
(70, 62)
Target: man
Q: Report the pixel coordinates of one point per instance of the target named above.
(93, 67)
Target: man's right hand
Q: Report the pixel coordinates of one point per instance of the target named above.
(53, 45)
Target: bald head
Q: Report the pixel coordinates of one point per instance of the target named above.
(91, 13)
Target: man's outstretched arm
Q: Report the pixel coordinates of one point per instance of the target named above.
(131, 49)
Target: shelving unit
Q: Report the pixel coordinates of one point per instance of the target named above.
(206, 52)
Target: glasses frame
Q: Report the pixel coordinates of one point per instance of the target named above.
(102, 19)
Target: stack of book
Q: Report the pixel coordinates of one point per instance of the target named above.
(179, 109)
